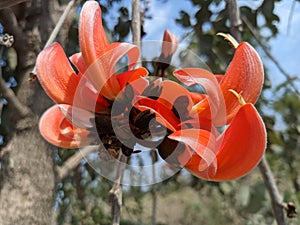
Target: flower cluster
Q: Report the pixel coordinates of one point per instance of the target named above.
(132, 107)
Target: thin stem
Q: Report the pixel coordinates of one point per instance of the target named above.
(73, 161)
(154, 188)
(276, 199)
(291, 16)
(116, 191)
(136, 26)
(235, 19)
(57, 28)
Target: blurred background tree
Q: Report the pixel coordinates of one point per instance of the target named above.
(29, 174)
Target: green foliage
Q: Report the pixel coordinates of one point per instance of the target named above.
(184, 20)
(122, 28)
(81, 200)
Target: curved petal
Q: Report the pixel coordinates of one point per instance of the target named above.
(102, 72)
(130, 76)
(78, 117)
(121, 49)
(56, 74)
(169, 45)
(92, 37)
(213, 105)
(240, 147)
(77, 60)
(139, 86)
(171, 91)
(197, 97)
(93, 44)
(57, 130)
(87, 97)
(111, 86)
(164, 115)
(202, 143)
(98, 54)
(245, 75)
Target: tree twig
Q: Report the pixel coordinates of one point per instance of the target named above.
(154, 188)
(235, 19)
(74, 160)
(20, 109)
(136, 26)
(57, 28)
(268, 53)
(291, 16)
(266, 173)
(116, 191)
(276, 199)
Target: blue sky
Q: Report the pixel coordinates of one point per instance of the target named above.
(285, 47)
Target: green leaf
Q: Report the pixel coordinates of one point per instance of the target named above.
(184, 19)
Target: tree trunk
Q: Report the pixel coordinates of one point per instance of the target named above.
(27, 178)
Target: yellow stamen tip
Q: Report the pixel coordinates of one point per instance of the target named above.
(239, 96)
(230, 39)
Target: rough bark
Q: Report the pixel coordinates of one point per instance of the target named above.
(27, 178)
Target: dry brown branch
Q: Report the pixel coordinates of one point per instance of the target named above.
(276, 199)
(20, 109)
(56, 29)
(235, 19)
(73, 161)
(154, 189)
(136, 25)
(116, 191)
(60, 23)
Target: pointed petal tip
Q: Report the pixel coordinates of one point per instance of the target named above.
(56, 75)
(58, 131)
(242, 145)
(245, 75)
(240, 148)
(170, 44)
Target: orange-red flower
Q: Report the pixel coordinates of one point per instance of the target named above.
(169, 45)
(191, 118)
(245, 75)
(94, 86)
